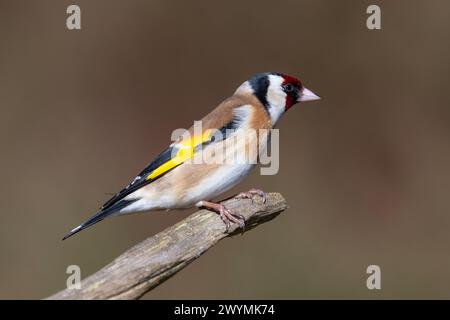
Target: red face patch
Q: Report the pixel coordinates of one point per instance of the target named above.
(292, 80)
(291, 96)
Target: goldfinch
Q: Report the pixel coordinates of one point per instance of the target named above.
(173, 180)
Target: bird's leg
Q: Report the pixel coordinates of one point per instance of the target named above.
(250, 194)
(226, 214)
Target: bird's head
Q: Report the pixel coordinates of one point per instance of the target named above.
(277, 92)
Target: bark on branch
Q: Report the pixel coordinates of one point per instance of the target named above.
(156, 259)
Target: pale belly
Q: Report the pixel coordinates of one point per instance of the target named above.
(185, 188)
(218, 182)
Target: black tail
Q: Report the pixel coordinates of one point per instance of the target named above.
(99, 216)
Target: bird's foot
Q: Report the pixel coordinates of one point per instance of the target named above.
(226, 214)
(250, 194)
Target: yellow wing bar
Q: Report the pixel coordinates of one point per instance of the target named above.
(186, 151)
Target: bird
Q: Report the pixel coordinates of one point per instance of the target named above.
(174, 181)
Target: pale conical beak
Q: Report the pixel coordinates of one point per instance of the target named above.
(307, 95)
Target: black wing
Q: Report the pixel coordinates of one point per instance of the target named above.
(141, 179)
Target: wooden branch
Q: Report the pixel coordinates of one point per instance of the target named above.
(156, 259)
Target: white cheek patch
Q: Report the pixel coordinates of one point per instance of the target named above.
(276, 98)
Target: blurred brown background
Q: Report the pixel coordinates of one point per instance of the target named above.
(365, 170)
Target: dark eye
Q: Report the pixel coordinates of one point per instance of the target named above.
(288, 88)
